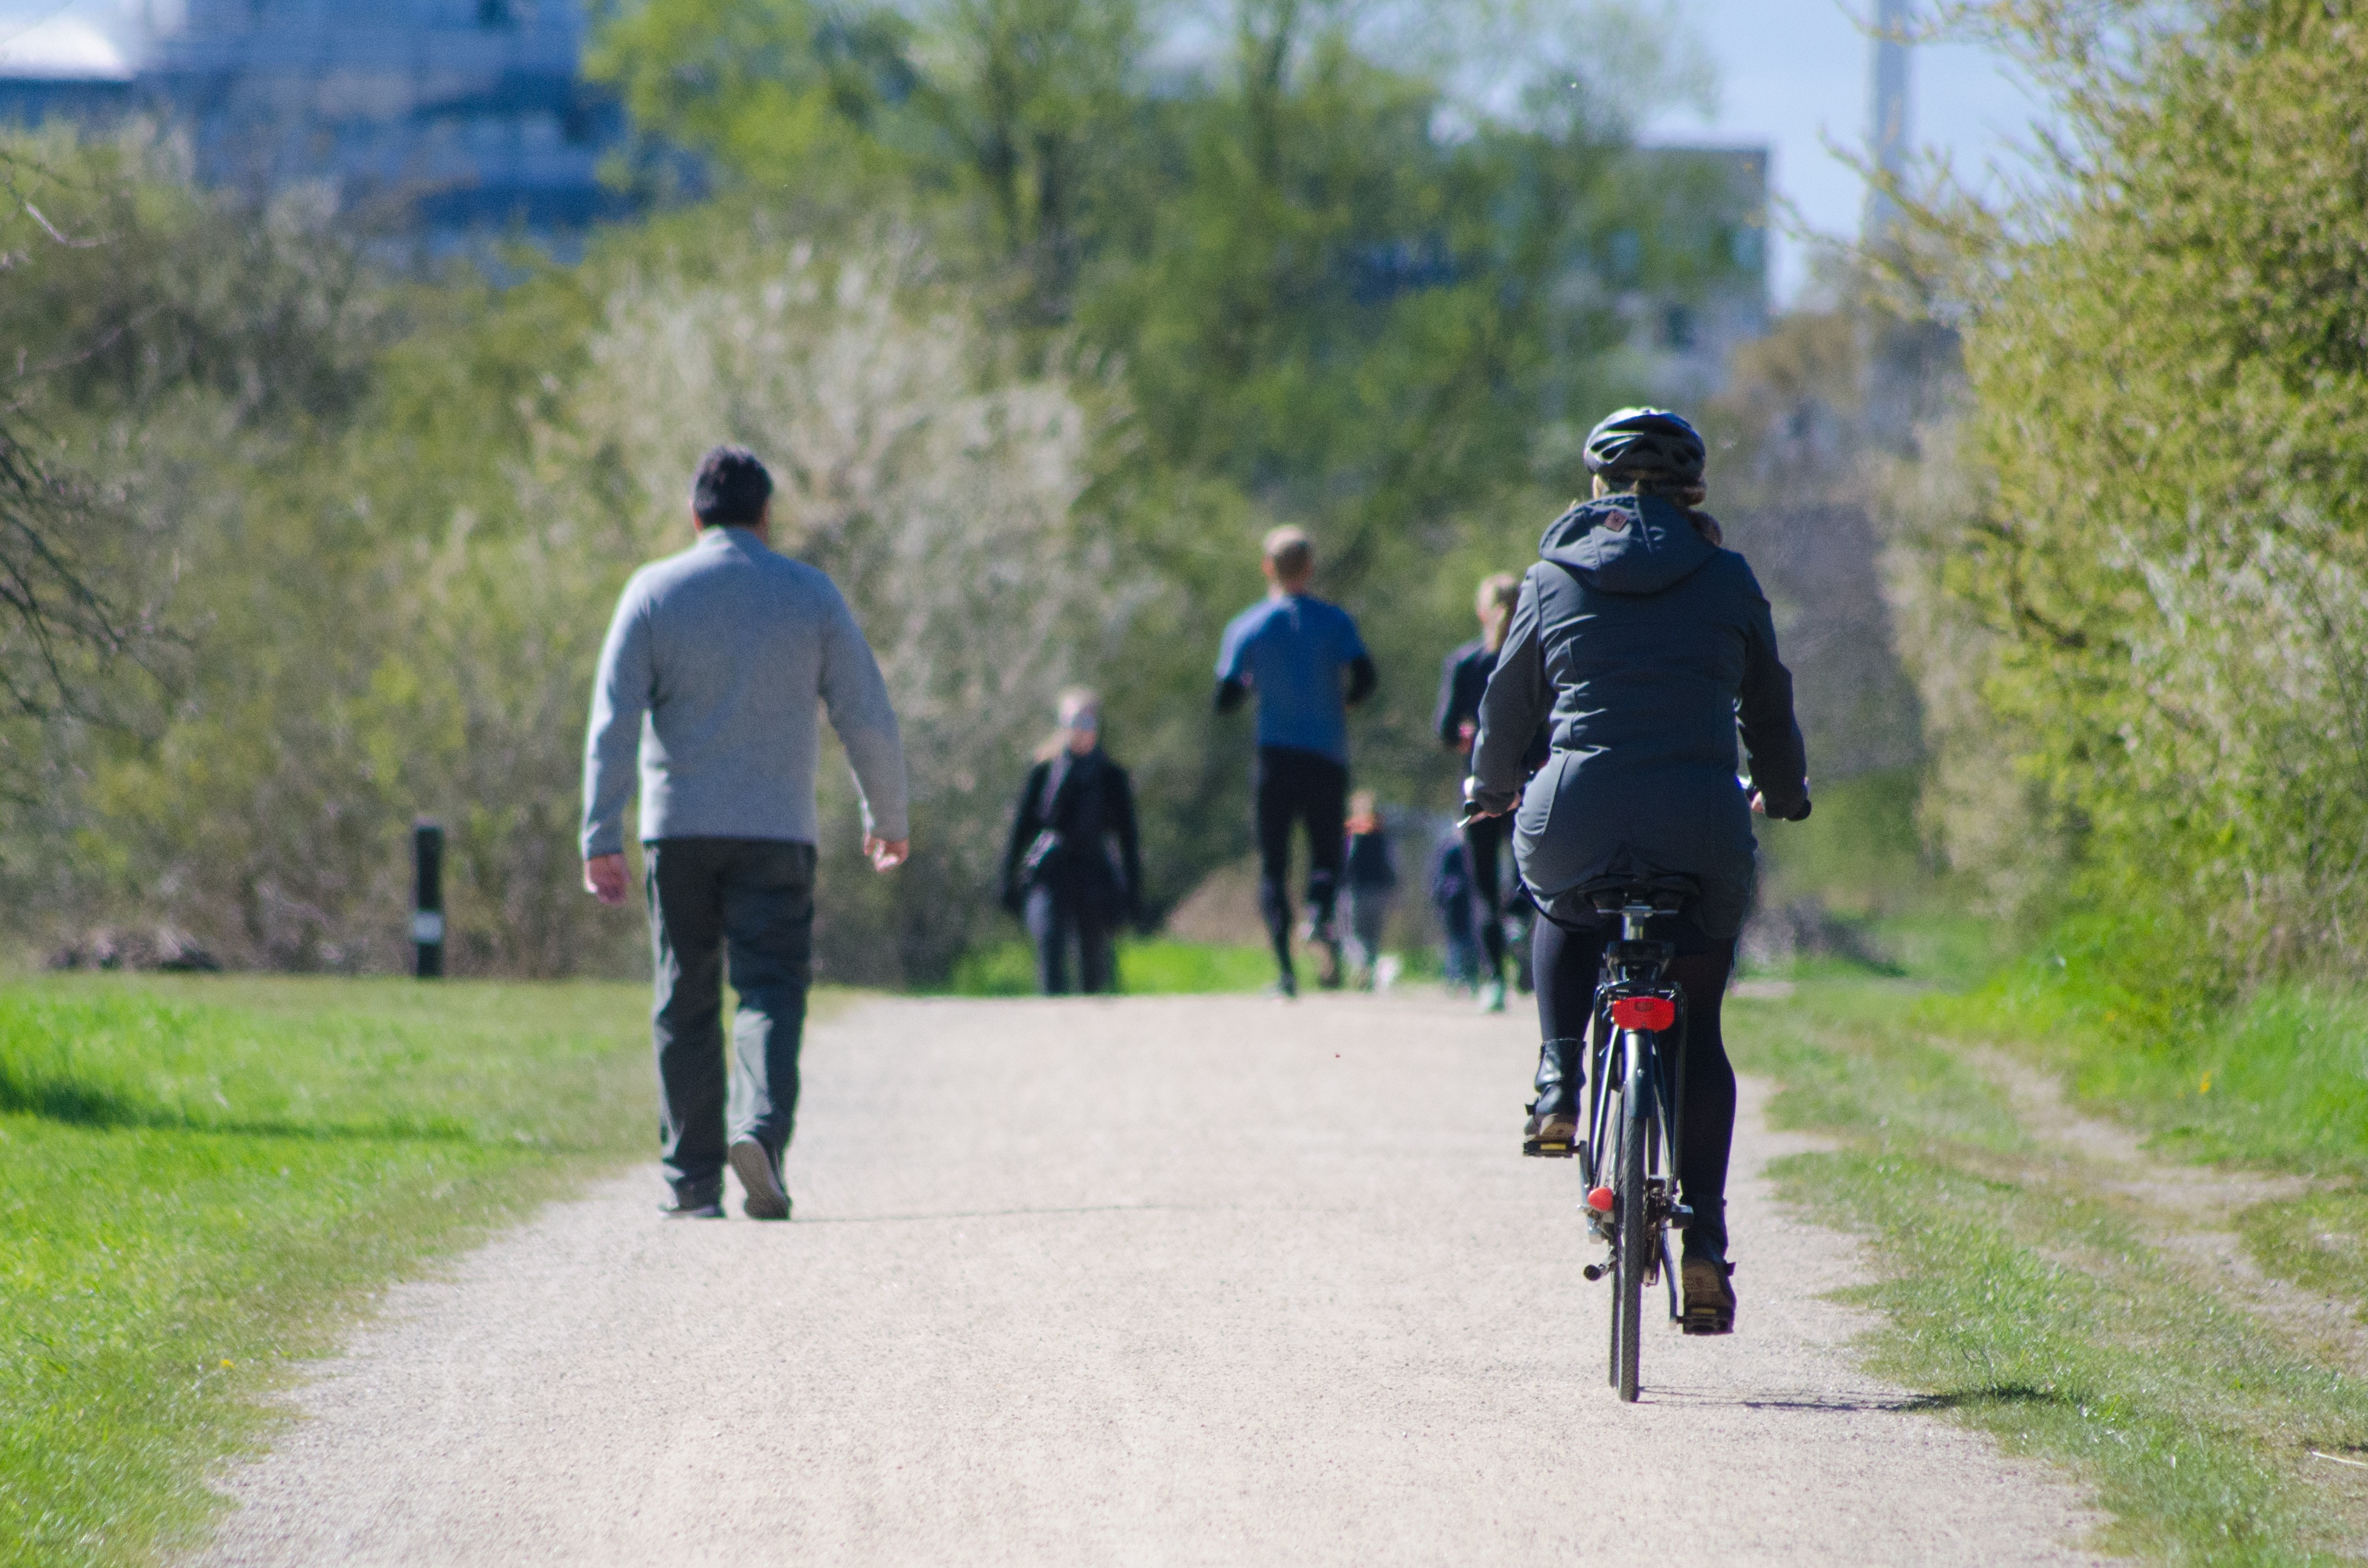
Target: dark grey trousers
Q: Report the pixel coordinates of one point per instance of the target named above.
(748, 902)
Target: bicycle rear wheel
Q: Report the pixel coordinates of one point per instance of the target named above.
(1607, 1163)
(1632, 1249)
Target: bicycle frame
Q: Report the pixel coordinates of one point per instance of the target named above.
(1634, 966)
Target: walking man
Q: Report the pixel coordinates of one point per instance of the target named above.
(715, 664)
(1303, 659)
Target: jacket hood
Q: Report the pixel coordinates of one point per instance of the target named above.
(1626, 544)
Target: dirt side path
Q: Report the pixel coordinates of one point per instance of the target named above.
(1161, 1281)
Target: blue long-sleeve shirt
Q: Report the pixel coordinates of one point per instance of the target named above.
(716, 667)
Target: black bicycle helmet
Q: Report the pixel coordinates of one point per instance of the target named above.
(1645, 440)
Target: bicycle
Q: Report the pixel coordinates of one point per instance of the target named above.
(1634, 1093)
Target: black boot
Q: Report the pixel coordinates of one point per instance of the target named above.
(1708, 1278)
(1553, 1127)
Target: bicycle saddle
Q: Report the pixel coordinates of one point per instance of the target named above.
(1667, 893)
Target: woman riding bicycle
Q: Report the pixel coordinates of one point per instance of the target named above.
(1643, 643)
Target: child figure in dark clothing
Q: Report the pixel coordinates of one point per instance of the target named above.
(1372, 886)
(1450, 896)
(1306, 664)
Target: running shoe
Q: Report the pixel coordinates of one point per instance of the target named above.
(1285, 989)
(1492, 997)
(1331, 965)
(754, 1164)
(711, 1209)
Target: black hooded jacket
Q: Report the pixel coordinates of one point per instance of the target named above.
(1642, 644)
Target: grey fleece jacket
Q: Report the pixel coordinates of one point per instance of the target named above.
(714, 670)
(1645, 647)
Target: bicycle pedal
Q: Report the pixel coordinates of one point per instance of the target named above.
(1538, 1148)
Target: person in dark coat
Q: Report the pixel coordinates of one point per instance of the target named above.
(1450, 896)
(1644, 643)
(1462, 679)
(1073, 870)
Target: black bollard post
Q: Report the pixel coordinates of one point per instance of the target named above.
(427, 898)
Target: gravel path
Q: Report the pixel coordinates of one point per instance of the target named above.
(1157, 1280)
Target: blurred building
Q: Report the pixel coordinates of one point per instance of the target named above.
(447, 120)
(1691, 281)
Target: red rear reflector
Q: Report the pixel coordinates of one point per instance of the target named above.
(1600, 1200)
(1643, 1013)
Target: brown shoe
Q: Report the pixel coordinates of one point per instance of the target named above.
(1550, 1137)
(1709, 1285)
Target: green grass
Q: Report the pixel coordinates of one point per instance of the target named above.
(2319, 1241)
(2276, 1081)
(203, 1179)
(2030, 1302)
(1156, 967)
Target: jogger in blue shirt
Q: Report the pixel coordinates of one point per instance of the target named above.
(1306, 664)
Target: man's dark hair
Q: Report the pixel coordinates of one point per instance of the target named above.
(731, 489)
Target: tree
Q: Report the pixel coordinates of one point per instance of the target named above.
(2166, 351)
(64, 616)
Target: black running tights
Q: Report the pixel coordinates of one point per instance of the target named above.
(1294, 786)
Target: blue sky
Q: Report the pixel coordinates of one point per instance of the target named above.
(1792, 75)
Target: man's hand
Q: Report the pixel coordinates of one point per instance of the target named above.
(885, 854)
(1465, 734)
(604, 879)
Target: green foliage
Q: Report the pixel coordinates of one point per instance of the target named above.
(200, 1180)
(1311, 302)
(2168, 364)
(773, 86)
(1860, 850)
(1038, 345)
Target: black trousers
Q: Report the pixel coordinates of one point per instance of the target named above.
(746, 903)
(1567, 963)
(1058, 917)
(1484, 838)
(1294, 786)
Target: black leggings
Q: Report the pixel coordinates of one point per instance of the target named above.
(1482, 836)
(1298, 786)
(1568, 963)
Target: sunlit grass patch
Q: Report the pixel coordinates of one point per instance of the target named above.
(2278, 1080)
(2319, 1241)
(1154, 967)
(200, 1177)
(2025, 1300)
